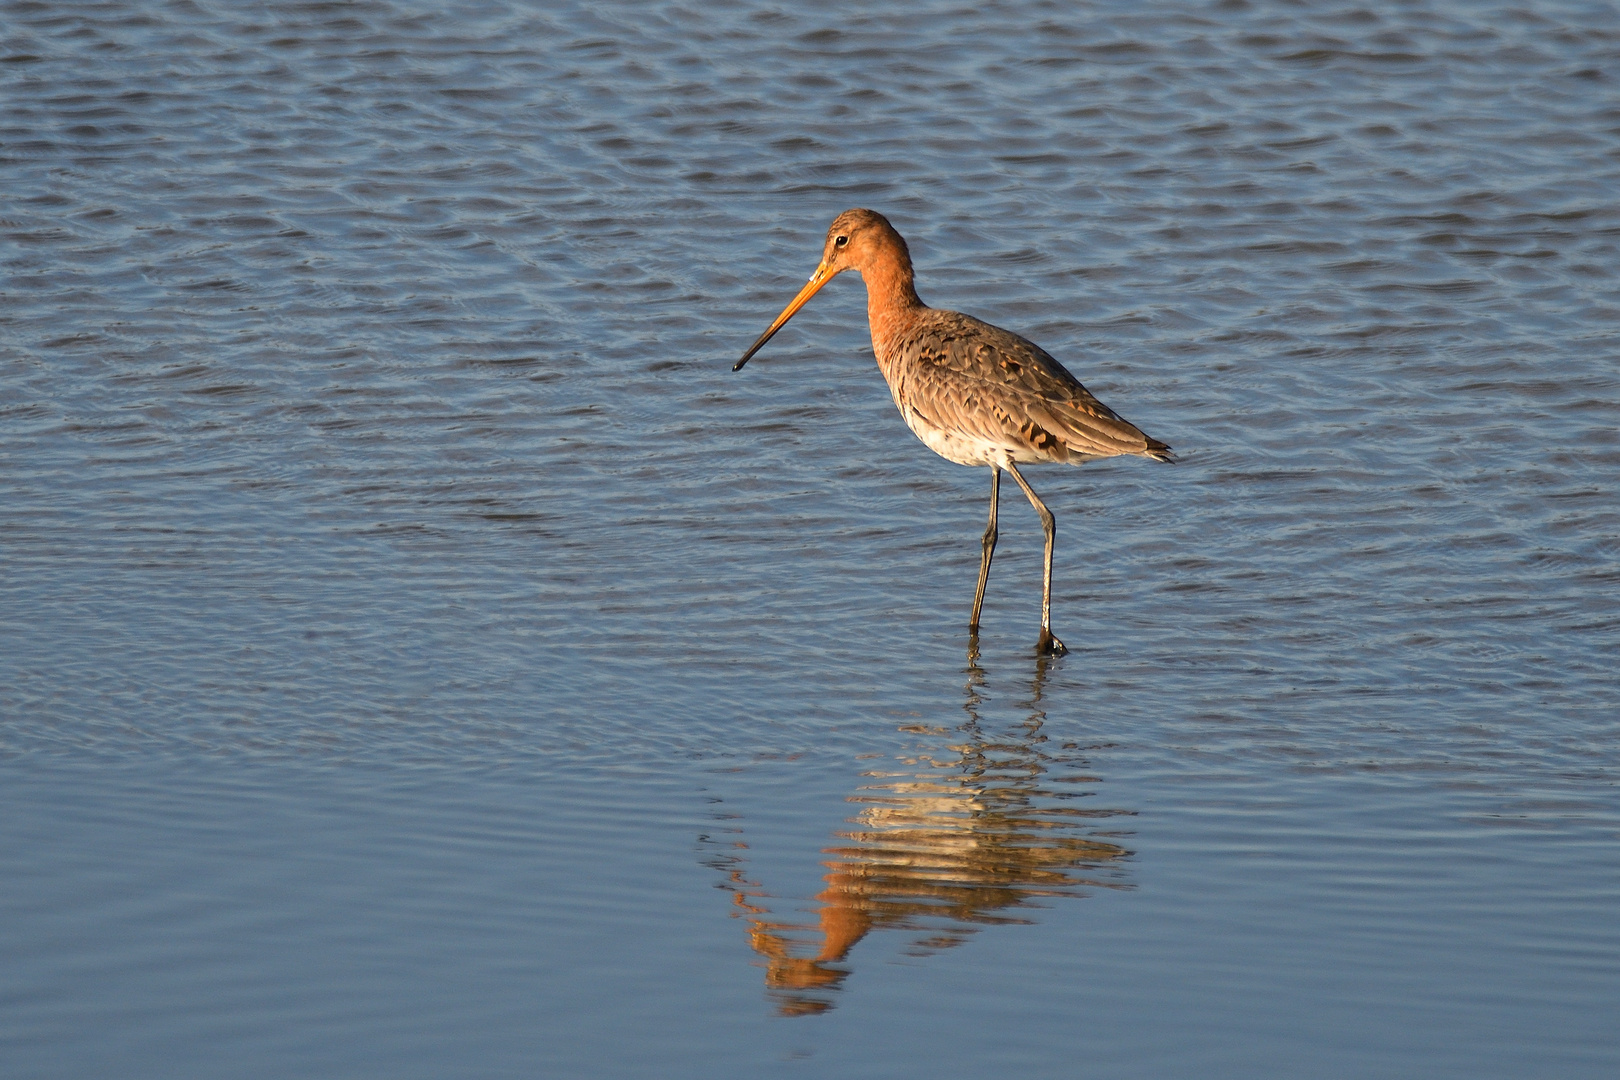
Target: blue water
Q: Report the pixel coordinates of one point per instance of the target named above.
(420, 655)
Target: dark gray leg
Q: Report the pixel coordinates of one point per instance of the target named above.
(989, 546)
(1047, 643)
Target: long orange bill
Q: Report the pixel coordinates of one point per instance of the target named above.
(822, 275)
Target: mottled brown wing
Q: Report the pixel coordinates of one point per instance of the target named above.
(974, 347)
(987, 380)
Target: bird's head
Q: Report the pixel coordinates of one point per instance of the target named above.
(857, 239)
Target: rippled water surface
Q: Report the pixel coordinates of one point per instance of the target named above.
(421, 656)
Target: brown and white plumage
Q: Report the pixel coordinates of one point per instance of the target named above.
(974, 393)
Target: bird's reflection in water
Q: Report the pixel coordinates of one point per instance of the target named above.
(978, 825)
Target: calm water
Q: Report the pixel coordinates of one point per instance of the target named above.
(421, 656)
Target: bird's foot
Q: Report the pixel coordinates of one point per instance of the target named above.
(1049, 645)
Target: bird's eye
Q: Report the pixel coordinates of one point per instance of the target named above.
(840, 241)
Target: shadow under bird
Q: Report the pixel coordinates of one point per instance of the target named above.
(974, 393)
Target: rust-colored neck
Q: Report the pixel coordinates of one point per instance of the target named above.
(892, 302)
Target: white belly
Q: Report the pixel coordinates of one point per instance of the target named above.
(966, 449)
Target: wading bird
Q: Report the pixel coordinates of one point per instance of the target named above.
(973, 393)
